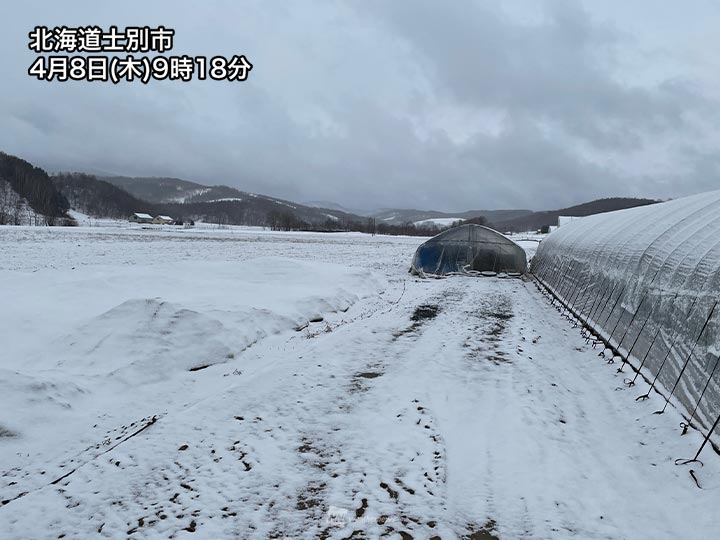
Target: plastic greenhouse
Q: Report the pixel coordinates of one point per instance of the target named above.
(469, 249)
(646, 282)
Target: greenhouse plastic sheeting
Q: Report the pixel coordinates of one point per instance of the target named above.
(648, 280)
(466, 249)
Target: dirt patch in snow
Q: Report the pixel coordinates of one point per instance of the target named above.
(499, 322)
(486, 532)
(359, 380)
(5, 432)
(422, 314)
(369, 374)
(311, 497)
(487, 330)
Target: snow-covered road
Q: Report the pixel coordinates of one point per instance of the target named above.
(456, 408)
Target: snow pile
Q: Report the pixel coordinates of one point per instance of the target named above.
(149, 339)
(649, 280)
(81, 341)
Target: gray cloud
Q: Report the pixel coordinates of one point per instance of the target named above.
(383, 104)
(553, 71)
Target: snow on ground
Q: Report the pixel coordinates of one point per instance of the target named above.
(247, 384)
(33, 248)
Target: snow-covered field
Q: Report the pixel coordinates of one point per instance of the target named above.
(240, 383)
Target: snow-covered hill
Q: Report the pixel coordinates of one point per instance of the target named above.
(197, 199)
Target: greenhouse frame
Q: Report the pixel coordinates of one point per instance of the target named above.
(645, 282)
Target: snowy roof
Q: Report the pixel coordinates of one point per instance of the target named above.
(165, 218)
(564, 220)
(141, 215)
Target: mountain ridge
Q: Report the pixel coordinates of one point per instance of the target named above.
(230, 205)
(120, 196)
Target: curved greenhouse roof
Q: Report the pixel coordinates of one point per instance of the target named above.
(647, 280)
(467, 249)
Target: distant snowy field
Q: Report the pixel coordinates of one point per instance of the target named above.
(111, 242)
(164, 382)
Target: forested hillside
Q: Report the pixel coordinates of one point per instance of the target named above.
(157, 189)
(98, 198)
(539, 220)
(228, 205)
(27, 186)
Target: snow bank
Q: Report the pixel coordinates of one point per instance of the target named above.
(81, 342)
(649, 280)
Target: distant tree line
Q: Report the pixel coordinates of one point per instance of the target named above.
(286, 221)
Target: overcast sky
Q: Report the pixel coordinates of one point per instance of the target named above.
(417, 103)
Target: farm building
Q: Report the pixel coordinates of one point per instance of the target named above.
(163, 220)
(469, 249)
(646, 283)
(139, 217)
